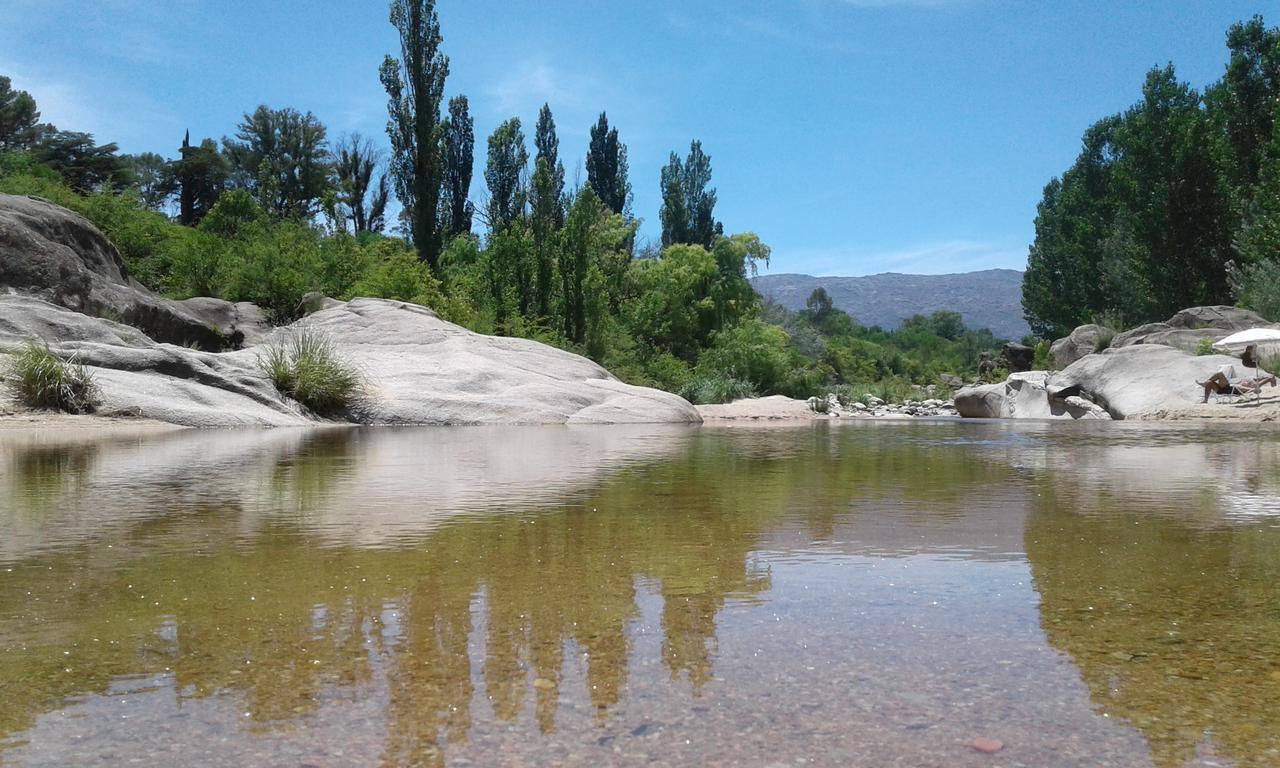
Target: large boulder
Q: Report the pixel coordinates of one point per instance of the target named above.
(54, 254)
(424, 370)
(421, 370)
(1084, 340)
(1131, 381)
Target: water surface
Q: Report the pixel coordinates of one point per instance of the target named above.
(874, 594)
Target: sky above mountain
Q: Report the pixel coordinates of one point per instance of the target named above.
(854, 136)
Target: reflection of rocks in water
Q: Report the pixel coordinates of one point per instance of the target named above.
(1174, 626)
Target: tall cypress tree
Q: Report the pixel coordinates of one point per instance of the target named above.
(548, 149)
(673, 214)
(415, 88)
(459, 161)
(688, 204)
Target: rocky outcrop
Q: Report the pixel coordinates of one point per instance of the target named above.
(420, 369)
(1024, 396)
(1018, 358)
(1190, 327)
(56, 255)
(1084, 340)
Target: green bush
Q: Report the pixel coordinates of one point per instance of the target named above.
(38, 378)
(1204, 347)
(1042, 361)
(306, 366)
(891, 390)
(706, 390)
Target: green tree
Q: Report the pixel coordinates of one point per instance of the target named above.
(282, 157)
(415, 89)
(198, 177)
(504, 174)
(1247, 96)
(459, 151)
(362, 190)
(19, 119)
(607, 166)
(688, 203)
(84, 165)
(546, 199)
(150, 172)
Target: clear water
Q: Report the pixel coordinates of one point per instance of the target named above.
(872, 594)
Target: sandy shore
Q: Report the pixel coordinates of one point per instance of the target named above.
(1251, 408)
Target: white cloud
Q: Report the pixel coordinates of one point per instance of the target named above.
(533, 84)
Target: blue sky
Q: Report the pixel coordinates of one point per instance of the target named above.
(854, 136)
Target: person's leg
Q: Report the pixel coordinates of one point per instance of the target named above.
(1214, 384)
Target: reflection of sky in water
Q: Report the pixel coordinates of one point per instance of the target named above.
(855, 595)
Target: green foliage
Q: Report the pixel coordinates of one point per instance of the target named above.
(752, 351)
(1204, 347)
(705, 390)
(38, 378)
(504, 174)
(415, 90)
(1257, 287)
(306, 366)
(1042, 360)
(1163, 197)
(282, 157)
(19, 118)
(607, 167)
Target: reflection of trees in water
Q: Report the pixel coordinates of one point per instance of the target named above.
(290, 624)
(40, 475)
(1175, 625)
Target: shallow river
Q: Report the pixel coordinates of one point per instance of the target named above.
(871, 594)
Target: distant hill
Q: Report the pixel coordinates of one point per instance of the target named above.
(991, 298)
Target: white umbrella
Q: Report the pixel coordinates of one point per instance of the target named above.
(1251, 336)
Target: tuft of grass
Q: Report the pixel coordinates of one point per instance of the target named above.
(306, 366)
(707, 390)
(1204, 347)
(41, 379)
(1269, 363)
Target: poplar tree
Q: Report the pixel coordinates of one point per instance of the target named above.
(546, 197)
(503, 174)
(415, 89)
(355, 164)
(459, 161)
(607, 166)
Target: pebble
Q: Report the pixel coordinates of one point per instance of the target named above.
(987, 746)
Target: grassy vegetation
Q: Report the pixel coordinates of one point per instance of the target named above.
(38, 378)
(306, 366)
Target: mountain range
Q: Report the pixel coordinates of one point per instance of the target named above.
(991, 298)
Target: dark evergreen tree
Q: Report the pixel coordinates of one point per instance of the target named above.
(548, 149)
(198, 177)
(673, 214)
(84, 165)
(362, 190)
(688, 204)
(459, 163)
(415, 89)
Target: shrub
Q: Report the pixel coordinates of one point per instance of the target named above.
(1042, 361)
(891, 390)
(306, 366)
(1204, 347)
(40, 379)
(706, 390)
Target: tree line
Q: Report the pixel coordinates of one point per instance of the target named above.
(1174, 202)
(276, 210)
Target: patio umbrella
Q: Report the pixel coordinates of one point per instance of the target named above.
(1267, 339)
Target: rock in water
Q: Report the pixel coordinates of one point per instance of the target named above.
(987, 746)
